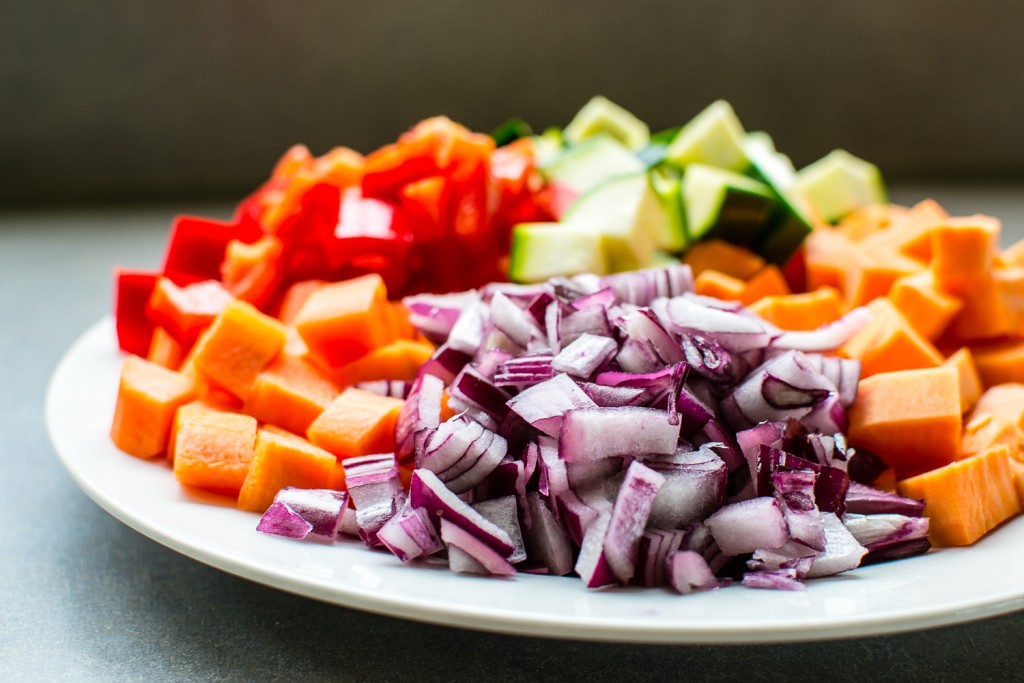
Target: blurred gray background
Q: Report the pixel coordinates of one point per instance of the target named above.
(134, 101)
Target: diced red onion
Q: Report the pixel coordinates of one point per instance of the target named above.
(484, 555)
(866, 500)
(434, 315)
(828, 337)
(591, 564)
(376, 490)
(513, 320)
(476, 390)
(322, 508)
(629, 519)
(410, 535)
(736, 333)
(842, 551)
(421, 410)
(794, 490)
(744, 527)
(780, 580)
(504, 513)
(694, 487)
(595, 433)
(613, 397)
(429, 492)
(585, 355)
(281, 520)
(446, 363)
(467, 334)
(545, 540)
(544, 404)
(688, 571)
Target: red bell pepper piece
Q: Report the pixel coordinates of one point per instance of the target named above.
(252, 272)
(372, 235)
(424, 203)
(196, 247)
(132, 289)
(186, 311)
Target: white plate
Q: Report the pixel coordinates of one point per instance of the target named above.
(943, 587)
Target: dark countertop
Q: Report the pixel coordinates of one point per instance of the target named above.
(86, 598)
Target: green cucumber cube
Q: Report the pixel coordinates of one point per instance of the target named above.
(626, 212)
(601, 115)
(790, 221)
(714, 137)
(541, 251)
(724, 205)
(839, 183)
(670, 234)
(584, 166)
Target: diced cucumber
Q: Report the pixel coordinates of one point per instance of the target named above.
(584, 166)
(790, 221)
(626, 212)
(548, 146)
(839, 183)
(714, 137)
(544, 250)
(601, 115)
(724, 204)
(670, 235)
(661, 259)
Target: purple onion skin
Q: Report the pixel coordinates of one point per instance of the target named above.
(281, 520)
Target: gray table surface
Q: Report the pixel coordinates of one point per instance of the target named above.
(85, 598)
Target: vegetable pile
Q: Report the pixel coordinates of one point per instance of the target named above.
(711, 369)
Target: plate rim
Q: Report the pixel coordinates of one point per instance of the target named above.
(487, 618)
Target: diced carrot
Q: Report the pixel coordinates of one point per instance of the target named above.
(165, 350)
(970, 380)
(870, 273)
(337, 481)
(401, 359)
(1012, 256)
(147, 398)
(910, 418)
(769, 281)
(1001, 362)
(724, 257)
(966, 499)
(805, 311)
(826, 252)
(1009, 282)
(910, 233)
(711, 282)
(400, 318)
(252, 272)
(241, 343)
(295, 297)
(869, 219)
(282, 460)
(997, 419)
(1017, 471)
(356, 423)
(447, 412)
(290, 393)
(888, 343)
(984, 314)
(344, 321)
(963, 250)
(212, 449)
(928, 309)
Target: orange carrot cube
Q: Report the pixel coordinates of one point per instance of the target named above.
(356, 423)
(725, 257)
(399, 360)
(963, 250)
(769, 281)
(807, 311)
(212, 449)
(281, 459)
(888, 343)
(928, 309)
(1001, 362)
(344, 321)
(966, 499)
(240, 344)
(290, 393)
(715, 283)
(871, 273)
(970, 380)
(147, 398)
(911, 418)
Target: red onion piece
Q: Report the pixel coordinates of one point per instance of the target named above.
(322, 508)
(595, 433)
(429, 492)
(688, 571)
(410, 535)
(544, 404)
(281, 520)
(487, 557)
(743, 527)
(629, 519)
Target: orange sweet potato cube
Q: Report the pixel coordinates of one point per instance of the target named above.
(928, 309)
(356, 423)
(963, 250)
(282, 459)
(212, 449)
(290, 393)
(238, 346)
(888, 343)
(344, 321)
(911, 418)
(147, 398)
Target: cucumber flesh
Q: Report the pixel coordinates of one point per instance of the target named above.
(601, 115)
(724, 205)
(839, 183)
(541, 251)
(790, 221)
(670, 235)
(714, 137)
(584, 166)
(626, 212)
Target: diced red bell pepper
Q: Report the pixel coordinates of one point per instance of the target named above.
(304, 234)
(132, 289)
(196, 247)
(424, 203)
(186, 311)
(372, 235)
(252, 272)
